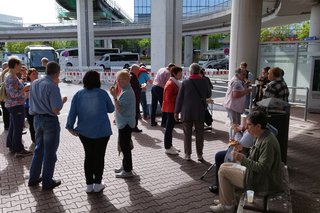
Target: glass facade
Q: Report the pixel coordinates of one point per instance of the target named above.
(142, 8)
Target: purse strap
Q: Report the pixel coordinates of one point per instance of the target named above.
(201, 98)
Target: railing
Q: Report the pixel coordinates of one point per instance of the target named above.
(291, 102)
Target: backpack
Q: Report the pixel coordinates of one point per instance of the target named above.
(3, 94)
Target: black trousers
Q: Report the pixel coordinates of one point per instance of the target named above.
(5, 115)
(95, 150)
(124, 142)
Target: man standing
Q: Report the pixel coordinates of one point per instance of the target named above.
(45, 105)
(160, 80)
(134, 71)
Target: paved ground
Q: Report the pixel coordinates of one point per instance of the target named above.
(162, 183)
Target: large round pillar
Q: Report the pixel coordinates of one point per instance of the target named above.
(166, 33)
(85, 32)
(204, 43)
(245, 34)
(188, 51)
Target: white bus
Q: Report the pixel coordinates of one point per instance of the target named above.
(35, 53)
(118, 60)
(69, 57)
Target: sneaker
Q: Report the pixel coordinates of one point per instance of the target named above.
(98, 187)
(136, 129)
(118, 170)
(124, 174)
(214, 189)
(24, 132)
(187, 157)
(154, 124)
(89, 188)
(171, 151)
(200, 158)
(34, 183)
(175, 149)
(23, 153)
(53, 185)
(216, 202)
(222, 208)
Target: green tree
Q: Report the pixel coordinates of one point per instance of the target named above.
(144, 43)
(304, 30)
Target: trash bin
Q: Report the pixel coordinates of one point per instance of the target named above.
(278, 112)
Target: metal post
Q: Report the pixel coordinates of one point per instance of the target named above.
(307, 105)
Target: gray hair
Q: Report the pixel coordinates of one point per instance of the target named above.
(195, 68)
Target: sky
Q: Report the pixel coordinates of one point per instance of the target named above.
(44, 11)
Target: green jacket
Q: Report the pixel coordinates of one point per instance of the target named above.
(263, 174)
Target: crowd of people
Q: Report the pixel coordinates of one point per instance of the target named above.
(253, 162)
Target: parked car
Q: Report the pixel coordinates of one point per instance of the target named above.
(222, 64)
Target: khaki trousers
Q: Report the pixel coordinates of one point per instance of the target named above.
(230, 175)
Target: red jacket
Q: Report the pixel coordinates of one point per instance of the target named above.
(170, 94)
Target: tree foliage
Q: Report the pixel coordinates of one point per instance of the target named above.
(281, 33)
(18, 47)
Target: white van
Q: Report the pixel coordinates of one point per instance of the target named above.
(118, 60)
(69, 57)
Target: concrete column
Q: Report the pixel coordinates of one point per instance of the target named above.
(314, 26)
(245, 34)
(107, 43)
(313, 50)
(188, 51)
(166, 33)
(85, 32)
(204, 45)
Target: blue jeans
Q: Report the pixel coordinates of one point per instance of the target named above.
(219, 159)
(14, 138)
(169, 128)
(157, 95)
(47, 130)
(144, 104)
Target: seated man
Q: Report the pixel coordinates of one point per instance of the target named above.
(260, 172)
(244, 142)
(244, 139)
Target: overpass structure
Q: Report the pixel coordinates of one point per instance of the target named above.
(103, 10)
(275, 12)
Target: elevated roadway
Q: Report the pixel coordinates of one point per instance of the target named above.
(281, 12)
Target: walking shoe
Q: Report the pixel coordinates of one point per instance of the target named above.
(175, 149)
(214, 189)
(98, 187)
(24, 132)
(124, 174)
(216, 202)
(146, 117)
(222, 208)
(171, 151)
(89, 188)
(187, 157)
(23, 153)
(200, 158)
(53, 185)
(34, 183)
(136, 129)
(118, 170)
(154, 124)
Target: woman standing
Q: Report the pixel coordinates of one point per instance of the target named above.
(125, 120)
(31, 76)
(91, 106)
(170, 94)
(15, 104)
(235, 99)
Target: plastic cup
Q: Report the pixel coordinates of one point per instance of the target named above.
(250, 195)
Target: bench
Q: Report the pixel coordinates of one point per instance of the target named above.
(275, 203)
